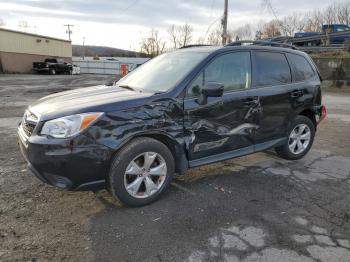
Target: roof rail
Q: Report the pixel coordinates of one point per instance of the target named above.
(262, 43)
(189, 46)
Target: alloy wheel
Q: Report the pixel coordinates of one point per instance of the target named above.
(299, 139)
(145, 175)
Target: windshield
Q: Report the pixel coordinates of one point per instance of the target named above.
(163, 72)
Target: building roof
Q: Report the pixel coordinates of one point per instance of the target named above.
(35, 35)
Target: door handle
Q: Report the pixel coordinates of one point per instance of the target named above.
(296, 93)
(250, 101)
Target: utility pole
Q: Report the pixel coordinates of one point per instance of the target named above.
(84, 47)
(224, 24)
(69, 31)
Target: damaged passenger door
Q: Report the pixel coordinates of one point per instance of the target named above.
(220, 127)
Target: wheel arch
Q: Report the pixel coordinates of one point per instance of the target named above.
(174, 146)
(310, 114)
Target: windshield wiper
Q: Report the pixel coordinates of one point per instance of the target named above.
(127, 87)
(158, 93)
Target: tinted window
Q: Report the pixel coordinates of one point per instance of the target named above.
(341, 28)
(302, 67)
(271, 69)
(233, 70)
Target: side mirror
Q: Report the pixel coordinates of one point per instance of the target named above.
(211, 89)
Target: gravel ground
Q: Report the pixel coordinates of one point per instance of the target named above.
(253, 208)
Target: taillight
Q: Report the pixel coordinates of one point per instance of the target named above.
(323, 114)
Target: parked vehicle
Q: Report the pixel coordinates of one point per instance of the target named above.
(75, 70)
(331, 28)
(53, 66)
(184, 109)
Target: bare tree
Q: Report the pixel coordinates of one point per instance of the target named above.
(314, 21)
(200, 41)
(292, 23)
(271, 29)
(243, 33)
(173, 36)
(152, 45)
(309, 22)
(343, 13)
(330, 14)
(180, 35)
(2, 22)
(186, 32)
(214, 37)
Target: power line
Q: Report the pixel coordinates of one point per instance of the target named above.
(212, 9)
(128, 7)
(209, 27)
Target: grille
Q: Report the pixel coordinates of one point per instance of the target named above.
(28, 128)
(29, 123)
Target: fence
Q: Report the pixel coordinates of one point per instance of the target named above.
(104, 67)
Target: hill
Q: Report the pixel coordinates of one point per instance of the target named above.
(100, 51)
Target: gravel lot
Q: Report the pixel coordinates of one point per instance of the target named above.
(254, 208)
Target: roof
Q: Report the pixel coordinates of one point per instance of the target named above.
(35, 35)
(212, 49)
(205, 49)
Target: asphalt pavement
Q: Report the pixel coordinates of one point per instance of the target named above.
(253, 208)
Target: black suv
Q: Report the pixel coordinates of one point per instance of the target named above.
(192, 107)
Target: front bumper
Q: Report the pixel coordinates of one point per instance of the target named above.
(67, 164)
(44, 69)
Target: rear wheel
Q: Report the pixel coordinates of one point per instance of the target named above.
(141, 172)
(300, 139)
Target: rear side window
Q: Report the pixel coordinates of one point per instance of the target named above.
(271, 69)
(302, 68)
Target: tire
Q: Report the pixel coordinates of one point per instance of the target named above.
(52, 71)
(292, 150)
(129, 173)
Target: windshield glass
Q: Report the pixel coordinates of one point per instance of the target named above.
(163, 72)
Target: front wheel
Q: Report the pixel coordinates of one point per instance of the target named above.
(141, 172)
(300, 139)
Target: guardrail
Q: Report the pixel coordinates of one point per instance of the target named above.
(324, 37)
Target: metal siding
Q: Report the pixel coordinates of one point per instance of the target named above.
(16, 42)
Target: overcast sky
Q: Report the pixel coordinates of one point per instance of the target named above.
(121, 24)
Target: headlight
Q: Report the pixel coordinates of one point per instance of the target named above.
(69, 125)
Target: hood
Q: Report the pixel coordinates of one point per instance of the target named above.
(91, 99)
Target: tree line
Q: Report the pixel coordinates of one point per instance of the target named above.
(178, 36)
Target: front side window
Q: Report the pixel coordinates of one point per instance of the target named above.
(163, 72)
(302, 68)
(271, 69)
(233, 70)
